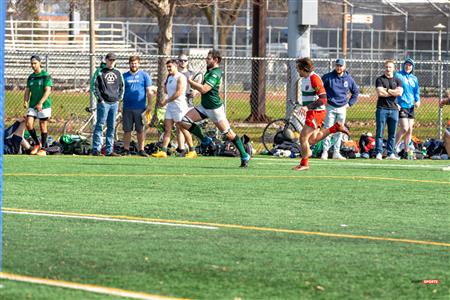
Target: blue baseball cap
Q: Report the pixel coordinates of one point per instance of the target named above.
(340, 61)
(410, 61)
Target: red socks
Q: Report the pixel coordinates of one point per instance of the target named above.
(304, 162)
(333, 129)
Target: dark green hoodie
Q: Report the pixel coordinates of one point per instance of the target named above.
(107, 84)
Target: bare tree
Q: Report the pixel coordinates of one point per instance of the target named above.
(164, 11)
(27, 9)
(225, 17)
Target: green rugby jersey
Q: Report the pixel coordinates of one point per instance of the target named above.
(36, 83)
(211, 99)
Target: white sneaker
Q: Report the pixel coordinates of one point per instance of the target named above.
(392, 156)
(379, 156)
(324, 155)
(337, 155)
(447, 168)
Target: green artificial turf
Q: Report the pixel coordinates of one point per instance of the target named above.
(267, 218)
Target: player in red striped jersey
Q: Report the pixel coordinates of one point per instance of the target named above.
(314, 99)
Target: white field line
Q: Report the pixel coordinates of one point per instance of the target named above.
(107, 219)
(84, 287)
(266, 229)
(290, 161)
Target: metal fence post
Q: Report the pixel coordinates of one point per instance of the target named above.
(225, 85)
(198, 35)
(441, 89)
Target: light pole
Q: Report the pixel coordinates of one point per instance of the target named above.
(439, 27)
(215, 35)
(11, 11)
(92, 100)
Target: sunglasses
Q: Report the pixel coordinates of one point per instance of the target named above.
(182, 60)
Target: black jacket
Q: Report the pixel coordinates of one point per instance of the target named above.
(107, 84)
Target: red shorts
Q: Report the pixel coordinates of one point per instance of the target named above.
(315, 118)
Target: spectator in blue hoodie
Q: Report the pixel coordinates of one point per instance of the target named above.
(338, 85)
(407, 101)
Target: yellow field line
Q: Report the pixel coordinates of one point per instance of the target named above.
(241, 227)
(84, 287)
(240, 176)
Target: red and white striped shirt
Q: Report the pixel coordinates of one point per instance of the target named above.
(311, 88)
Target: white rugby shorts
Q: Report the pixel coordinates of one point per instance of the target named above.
(175, 111)
(45, 113)
(214, 115)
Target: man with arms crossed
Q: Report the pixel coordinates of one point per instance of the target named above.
(389, 88)
(37, 99)
(314, 100)
(211, 107)
(138, 89)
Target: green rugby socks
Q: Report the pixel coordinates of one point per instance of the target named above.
(238, 143)
(197, 131)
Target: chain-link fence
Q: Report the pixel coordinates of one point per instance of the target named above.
(248, 108)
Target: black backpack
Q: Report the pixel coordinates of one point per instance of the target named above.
(75, 144)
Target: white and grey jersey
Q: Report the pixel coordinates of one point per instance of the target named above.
(189, 90)
(172, 84)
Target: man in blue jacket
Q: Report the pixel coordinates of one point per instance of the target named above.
(338, 84)
(407, 101)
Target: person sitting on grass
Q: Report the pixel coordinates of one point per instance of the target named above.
(13, 138)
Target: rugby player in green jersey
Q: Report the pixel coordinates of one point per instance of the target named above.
(211, 107)
(37, 100)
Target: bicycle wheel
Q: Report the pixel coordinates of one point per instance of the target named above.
(276, 130)
(118, 129)
(76, 124)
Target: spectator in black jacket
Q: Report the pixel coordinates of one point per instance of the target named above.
(108, 87)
